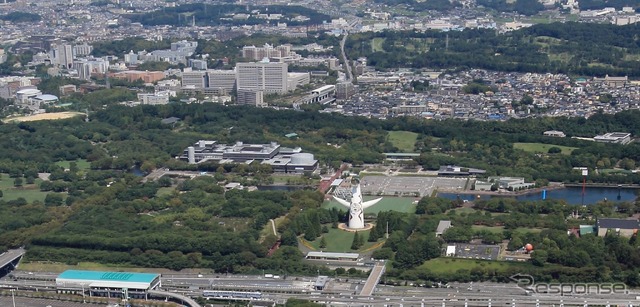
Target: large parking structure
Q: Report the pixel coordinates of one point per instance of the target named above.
(409, 185)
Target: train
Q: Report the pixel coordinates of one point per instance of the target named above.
(221, 294)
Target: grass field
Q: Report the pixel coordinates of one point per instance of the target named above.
(43, 116)
(403, 140)
(500, 229)
(451, 265)
(459, 211)
(340, 241)
(30, 192)
(165, 191)
(376, 44)
(401, 204)
(542, 148)
(82, 164)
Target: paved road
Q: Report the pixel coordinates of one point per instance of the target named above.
(10, 255)
(37, 302)
(344, 57)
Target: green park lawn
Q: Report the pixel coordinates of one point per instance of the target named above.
(82, 164)
(444, 265)
(376, 44)
(542, 148)
(500, 229)
(401, 204)
(340, 241)
(30, 192)
(165, 191)
(403, 140)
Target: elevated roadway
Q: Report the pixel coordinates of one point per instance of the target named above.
(184, 299)
(374, 279)
(9, 260)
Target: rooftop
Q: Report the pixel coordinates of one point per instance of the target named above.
(618, 223)
(333, 255)
(108, 276)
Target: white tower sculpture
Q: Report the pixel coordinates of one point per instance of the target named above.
(356, 207)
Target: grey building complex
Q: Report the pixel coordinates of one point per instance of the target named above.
(282, 159)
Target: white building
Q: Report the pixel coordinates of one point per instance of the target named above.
(63, 55)
(23, 95)
(86, 67)
(554, 133)
(82, 50)
(196, 79)
(155, 98)
(263, 76)
(221, 81)
(614, 137)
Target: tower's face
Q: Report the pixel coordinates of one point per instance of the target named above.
(356, 214)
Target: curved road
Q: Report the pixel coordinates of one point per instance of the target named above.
(184, 299)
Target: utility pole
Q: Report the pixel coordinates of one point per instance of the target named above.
(585, 172)
(387, 233)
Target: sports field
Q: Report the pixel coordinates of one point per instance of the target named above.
(401, 204)
(542, 148)
(43, 116)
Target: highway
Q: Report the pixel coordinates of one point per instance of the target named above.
(347, 66)
(340, 292)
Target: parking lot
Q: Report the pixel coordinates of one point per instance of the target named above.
(477, 251)
(409, 185)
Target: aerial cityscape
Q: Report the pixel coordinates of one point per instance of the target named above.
(312, 153)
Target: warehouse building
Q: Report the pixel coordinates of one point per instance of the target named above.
(107, 284)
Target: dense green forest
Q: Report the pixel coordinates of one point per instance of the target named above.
(542, 223)
(103, 212)
(570, 48)
(221, 14)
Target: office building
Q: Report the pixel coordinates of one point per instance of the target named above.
(281, 159)
(194, 79)
(87, 67)
(264, 76)
(221, 82)
(250, 97)
(82, 50)
(614, 137)
(266, 51)
(63, 55)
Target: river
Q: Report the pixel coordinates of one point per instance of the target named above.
(572, 195)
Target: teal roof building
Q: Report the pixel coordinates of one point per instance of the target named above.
(74, 279)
